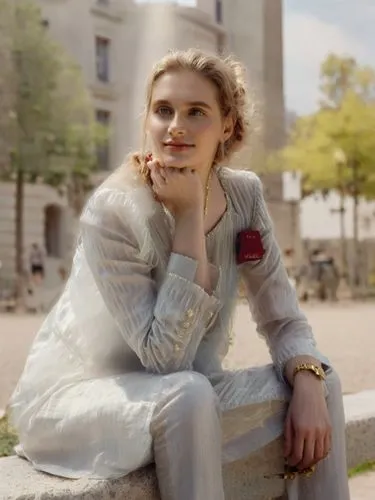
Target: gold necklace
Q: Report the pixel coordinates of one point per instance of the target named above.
(207, 192)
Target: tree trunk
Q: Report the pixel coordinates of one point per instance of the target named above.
(19, 206)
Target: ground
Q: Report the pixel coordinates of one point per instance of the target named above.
(344, 333)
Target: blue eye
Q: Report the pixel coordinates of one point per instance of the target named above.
(164, 111)
(197, 112)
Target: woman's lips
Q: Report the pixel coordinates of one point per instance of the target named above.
(178, 147)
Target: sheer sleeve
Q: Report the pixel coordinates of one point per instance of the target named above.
(162, 325)
(272, 299)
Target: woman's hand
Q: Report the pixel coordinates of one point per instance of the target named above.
(182, 193)
(179, 189)
(307, 425)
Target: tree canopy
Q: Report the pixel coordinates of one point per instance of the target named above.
(48, 121)
(335, 147)
(48, 131)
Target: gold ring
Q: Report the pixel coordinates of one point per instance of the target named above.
(308, 472)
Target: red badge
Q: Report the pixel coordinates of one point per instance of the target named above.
(249, 246)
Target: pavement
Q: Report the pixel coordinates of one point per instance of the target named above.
(362, 487)
(344, 332)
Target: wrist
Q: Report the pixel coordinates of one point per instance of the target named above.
(306, 377)
(306, 383)
(189, 213)
(302, 364)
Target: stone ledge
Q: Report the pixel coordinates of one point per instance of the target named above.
(19, 481)
(360, 427)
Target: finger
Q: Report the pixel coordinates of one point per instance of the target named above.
(297, 449)
(153, 163)
(288, 436)
(171, 172)
(308, 453)
(158, 180)
(327, 444)
(320, 449)
(174, 171)
(162, 171)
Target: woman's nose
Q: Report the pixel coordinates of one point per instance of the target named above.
(176, 132)
(176, 127)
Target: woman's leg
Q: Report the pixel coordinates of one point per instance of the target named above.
(330, 480)
(247, 427)
(186, 434)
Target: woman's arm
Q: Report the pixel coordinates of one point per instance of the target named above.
(273, 301)
(189, 240)
(164, 327)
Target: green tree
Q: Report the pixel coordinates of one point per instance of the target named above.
(316, 139)
(47, 127)
(334, 148)
(344, 122)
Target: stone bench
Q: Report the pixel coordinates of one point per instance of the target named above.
(360, 427)
(243, 479)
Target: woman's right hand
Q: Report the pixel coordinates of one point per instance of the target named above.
(180, 189)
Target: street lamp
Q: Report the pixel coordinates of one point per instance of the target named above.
(340, 160)
(356, 183)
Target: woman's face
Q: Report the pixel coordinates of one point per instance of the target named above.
(184, 120)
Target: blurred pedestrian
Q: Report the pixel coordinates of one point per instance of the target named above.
(325, 274)
(37, 263)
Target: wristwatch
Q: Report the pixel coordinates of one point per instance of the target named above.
(310, 367)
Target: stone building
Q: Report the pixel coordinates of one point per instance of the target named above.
(115, 42)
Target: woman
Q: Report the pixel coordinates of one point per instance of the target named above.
(36, 259)
(126, 369)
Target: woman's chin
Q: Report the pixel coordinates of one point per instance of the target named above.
(176, 161)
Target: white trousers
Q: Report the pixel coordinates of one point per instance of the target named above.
(188, 445)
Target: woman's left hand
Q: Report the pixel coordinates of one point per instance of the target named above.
(307, 426)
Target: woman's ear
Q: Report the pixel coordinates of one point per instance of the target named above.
(228, 127)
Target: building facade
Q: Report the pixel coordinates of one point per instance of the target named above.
(116, 42)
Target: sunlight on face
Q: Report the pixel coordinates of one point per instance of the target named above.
(184, 121)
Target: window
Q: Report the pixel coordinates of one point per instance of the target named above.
(102, 58)
(219, 11)
(103, 118)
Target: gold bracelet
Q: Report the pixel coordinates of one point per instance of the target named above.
(316, 370)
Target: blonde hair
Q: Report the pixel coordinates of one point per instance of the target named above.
(227, 75)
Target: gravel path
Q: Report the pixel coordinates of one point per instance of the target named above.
(344, 332)
(362, 487)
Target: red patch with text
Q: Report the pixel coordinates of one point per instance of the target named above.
(249, 246)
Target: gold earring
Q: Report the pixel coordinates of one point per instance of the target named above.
(222, 151)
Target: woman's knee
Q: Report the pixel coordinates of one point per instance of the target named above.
(192, 393)
(335, 401)
(333, 383)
